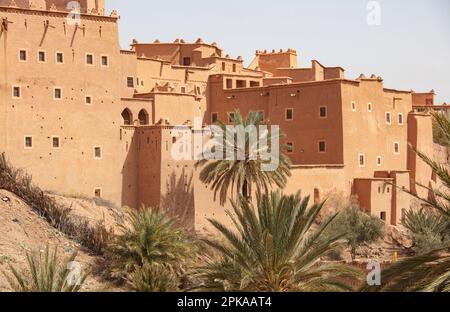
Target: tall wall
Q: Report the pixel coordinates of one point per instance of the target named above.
(80, 127)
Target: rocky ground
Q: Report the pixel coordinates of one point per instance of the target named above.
(21, 230)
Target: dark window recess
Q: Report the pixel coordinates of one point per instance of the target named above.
(55, 142)
(59, 58)
(130, 82)
(290, 147)
(214, 117)
(229, 84)
(187, 61)
(104, 61)
(23, 55)
(89, 59)
(322, 146)
(323, 112)
(28, 142)
(289, 114)
(16, 92)
(41, 56)
(57, 93)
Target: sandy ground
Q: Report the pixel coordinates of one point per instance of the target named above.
(21, 229)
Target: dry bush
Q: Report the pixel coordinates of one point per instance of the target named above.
(18, 182)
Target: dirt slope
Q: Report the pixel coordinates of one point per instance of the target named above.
(22, 229)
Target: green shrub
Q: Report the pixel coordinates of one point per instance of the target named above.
(154, 277)
(359, 227)
(148, 238)
(45, 274)
(431, 231)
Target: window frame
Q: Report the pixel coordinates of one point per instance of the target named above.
(101, 152)
(286, 114)
(25, 142)
(13, 88)
(386, 118)
(290, 147)
(39, 54)
(107, 60)
(359, 160)
(59, 142)
(402, 122)
(397, 148)
(319, 146)
(130, 78)
(62, 57)
(326, 112)
(60, 93)
(86, 59)
(91, 100)
(19, 56)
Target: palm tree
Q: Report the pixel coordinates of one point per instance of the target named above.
(148, 238)
(274, 247)
(242, 175)
(429, 272)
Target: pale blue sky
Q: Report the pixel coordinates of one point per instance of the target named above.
(410, 49)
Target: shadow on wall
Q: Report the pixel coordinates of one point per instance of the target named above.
(129, 169)
(179, 200)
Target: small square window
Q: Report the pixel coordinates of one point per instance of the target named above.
(55, 142)
(41, 57)
(88, 100)
(290, 147)
(16, 92)
(105, 61)
(369, 107)
(187, 61)
(354, 106)
(89, 59)
(22, 55)
(379, 161)
(98, 152)
(289, 114)
(28, 142)
(388, 118)
(383, 216)
(322, 147)
(130, 82)
(214, 117)
(57, 94)
(362, 160)
(59, 57)
(323, 112)
(400, 119)
(97, 192)
(231, 117)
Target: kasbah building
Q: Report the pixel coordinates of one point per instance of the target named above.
(84, 116)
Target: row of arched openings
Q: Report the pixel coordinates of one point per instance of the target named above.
(128, 120)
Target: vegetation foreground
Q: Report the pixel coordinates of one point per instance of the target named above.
(275, 243)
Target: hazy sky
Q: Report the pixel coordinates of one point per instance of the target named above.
(410, 49)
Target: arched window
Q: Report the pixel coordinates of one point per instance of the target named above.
(143, 117)
(127, 117)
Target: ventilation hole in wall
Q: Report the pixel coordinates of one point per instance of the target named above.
(31, 107)
(46, 88)
(28, 87)
(13, 106)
